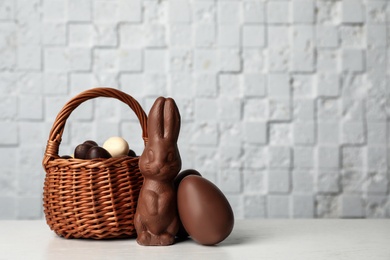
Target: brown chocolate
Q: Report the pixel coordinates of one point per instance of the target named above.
(131, 153)
(97, 152)
(66, 157)
(204, 211)
(182, 233)
(183, 174)
(156, 220)
(81, 151)
(91, 143)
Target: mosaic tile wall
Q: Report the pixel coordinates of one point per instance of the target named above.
(285, 104)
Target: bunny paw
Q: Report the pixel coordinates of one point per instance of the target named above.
(166, 239)
(144, 238)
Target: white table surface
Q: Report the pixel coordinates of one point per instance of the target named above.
(250, 239)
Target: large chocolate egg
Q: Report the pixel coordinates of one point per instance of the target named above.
(204, 211)
(182, 233)
(182, 175)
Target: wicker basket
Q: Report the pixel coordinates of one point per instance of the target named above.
(91, 198)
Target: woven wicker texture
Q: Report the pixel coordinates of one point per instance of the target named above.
(91, 198)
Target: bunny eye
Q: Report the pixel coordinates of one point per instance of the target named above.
(151, 155)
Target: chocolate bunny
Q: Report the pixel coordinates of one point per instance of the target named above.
(156, 219)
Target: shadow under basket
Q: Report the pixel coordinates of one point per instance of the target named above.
(95, 198)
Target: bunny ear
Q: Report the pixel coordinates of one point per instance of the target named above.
(155, 120)
(171, 120)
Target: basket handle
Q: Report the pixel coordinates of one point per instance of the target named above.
(59, 123)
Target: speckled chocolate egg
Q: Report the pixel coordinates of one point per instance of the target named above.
(204, 211)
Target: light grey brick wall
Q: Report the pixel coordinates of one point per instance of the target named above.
(285, 104)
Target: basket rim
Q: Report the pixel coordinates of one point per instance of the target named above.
(55, 136)
(92, 163)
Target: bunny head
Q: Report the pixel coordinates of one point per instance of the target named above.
(161, 159)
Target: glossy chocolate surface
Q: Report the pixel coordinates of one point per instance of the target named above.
(204, 211)
(182, 233)
(156, 219)
(97, 152)
(183, 174)
(81, 150)
(91, 143)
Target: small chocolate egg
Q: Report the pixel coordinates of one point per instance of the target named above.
(97, 152)
(66, 157)
(204, 211)
(91, 143)
(131, 153)
(182, 233)
(116, 146)
(81, 150)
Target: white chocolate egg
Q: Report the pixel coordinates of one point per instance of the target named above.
(116, 146)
